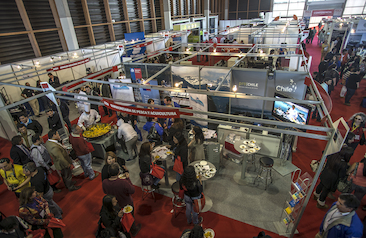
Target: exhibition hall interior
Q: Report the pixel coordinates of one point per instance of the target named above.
(182, 118)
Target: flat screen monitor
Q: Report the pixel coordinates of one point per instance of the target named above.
(291, 112)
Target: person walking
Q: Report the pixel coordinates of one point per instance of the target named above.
(129, 135)
(324, 50)
(61, 159)
(352, 83)
(357, 126)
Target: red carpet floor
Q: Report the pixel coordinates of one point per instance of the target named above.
(81, 208)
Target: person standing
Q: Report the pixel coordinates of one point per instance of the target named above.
(106, 93)
(91, 92)
(192, 190)
(31, 124)
(129, 135)
(54, 121)
(197, 151)
(154, 137)
(145, 162)
(352, 83)
(27, 93)
(88, 118)
(82, 151)
(341, 220)
(38, 180)
(54, 81)
(122, 189)
(14, 178)
(64, 111)
(26, 135)
(325, 49)
(39, 153)
(19, 153)
(357, 126)
(61, 159)
(181, 150)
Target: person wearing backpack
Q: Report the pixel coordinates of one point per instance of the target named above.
(359, 179)
(322, 68)
(154, 129)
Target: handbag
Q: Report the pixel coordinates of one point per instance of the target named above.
(53, 177)
(343, 91)
(178, 165)
(157, 171)
(153, 134)
(199, 204)
(345, 185)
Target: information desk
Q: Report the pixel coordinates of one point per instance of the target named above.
(101, 144)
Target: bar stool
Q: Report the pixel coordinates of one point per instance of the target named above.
(146, 182)
(266, 165)
(176, 200)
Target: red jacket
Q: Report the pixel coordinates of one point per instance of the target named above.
(79, 145)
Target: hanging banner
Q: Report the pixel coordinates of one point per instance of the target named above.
(122, 92)
(70, 65)
(304, 35)
(361, 26)
(135, 74)
(46, 87)
(145, 112)
(320, 13)
(198, 102)
(146, 94)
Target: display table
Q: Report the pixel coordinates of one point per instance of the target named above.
(163, 157)
(209, 202)
(100, 144)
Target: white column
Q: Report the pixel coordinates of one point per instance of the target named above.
(226, 12)
(206, 12)
(167, 15)
(7, 126)
(67, 24)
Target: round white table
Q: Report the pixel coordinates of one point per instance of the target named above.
(209, 202)
(241, 175)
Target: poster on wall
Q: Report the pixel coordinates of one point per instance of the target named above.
(137, 49)
(198, 102)
(361, 26)
(122, 92)
(135, 74)
(146, 94)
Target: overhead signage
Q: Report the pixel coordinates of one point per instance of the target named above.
(146, 112)
(70, 65)
(307, 13)
(47, 87)
(361, 26)
(143, 44)
(337, 12)
(319, 13)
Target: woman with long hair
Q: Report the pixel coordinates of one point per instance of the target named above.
(177, 126)
(197, 152)
(111, 215)
(109, 159)
(145, 161)
(192, 190)
(36, 212)
(334, 170)
(180, 149)
(357, 125)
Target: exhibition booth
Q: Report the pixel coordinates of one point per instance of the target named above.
(247, 112)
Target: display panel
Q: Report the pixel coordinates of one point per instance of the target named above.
(291, 112)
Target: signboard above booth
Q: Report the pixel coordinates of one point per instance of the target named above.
(186, 26)
(323, 12)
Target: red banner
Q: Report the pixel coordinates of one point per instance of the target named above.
(70, 65)
(319, 13)
(143, 44)
(145, 112)
(138, 73)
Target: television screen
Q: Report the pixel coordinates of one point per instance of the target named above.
(291, 112)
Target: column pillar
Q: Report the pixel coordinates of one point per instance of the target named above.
(226, 11)
(206, 12)
(67, 24)
(167, 15)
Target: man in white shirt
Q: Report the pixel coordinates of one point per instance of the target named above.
(214, 40)
(292, 113)
(129, 136)
(222, 40)
(80, 104)
(88, 117)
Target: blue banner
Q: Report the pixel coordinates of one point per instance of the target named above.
(136, 49)
(146, 94)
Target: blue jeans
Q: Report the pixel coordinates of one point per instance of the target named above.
(350, 93)
(54, 208)
(85, 161)
(189, 209)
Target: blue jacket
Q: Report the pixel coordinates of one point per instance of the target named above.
(158, 128)
(341, 230)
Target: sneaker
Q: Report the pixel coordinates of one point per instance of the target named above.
(95, 175)
(74, 188)
(136, 230)
(200, 220)
(330, 195)
(315, 197)
(321, 207)
(347, 104)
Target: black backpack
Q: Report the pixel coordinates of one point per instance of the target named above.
(153, 134)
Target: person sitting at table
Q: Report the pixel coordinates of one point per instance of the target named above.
(176, 126)
(152, 137)
(192, 190)
(111, 215)
(180, 149)
(145, 161)
(197, 151)
(88, 118)
(111, 158)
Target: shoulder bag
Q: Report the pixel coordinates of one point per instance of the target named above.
(344, 185)
(153, 134)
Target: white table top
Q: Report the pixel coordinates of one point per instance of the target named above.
(247, 145)
(204, 178)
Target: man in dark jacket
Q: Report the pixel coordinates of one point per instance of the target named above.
(54, 121)
(31, 124)
(19, 153)
(322, 68)
(106, 92)
(54, 81)
(352, 83)
(64, 111)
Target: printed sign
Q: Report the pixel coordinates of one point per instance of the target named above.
(146, 112)
(361, 26)
(70, 65)
(120, 91)
(319, 13)
(46, 87)
(198, 102)
(146, 94)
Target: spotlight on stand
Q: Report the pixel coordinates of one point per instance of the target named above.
(178, 85)
(235, 88)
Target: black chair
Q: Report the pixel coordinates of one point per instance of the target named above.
(266, 164)
(176, 200)
(146, 182)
